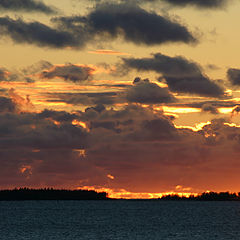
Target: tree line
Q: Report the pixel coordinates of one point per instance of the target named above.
(50, 194)
(20, 194)
(206, 196)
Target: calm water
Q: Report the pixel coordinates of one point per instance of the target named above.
(60, 220)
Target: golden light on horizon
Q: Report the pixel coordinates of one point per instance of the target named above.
(124, 194)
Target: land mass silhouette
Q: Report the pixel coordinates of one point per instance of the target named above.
(22, 194)
(50, 194)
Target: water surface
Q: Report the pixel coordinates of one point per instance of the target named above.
(68, 220)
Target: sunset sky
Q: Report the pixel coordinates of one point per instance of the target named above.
(136, 98)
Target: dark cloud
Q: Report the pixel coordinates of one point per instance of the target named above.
(134, 24)
(143, 91)
(233, 75)
(69, 72)
(37, 33)
(180, 74)
(7, 105)
(199, 3)
(3, 74)
(34, 131)
(84, 98)
(50, 148)
(206, 104)
(236, 110)
(105, 22)
(26, 6)
(210, 108)
(137, 25)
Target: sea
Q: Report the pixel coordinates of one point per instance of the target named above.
(121, 219)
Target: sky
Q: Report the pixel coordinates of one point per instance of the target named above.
(137, 98)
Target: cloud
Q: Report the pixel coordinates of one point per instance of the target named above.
(131, 144)
(108, 52)
(180, 74)
(106, 98)
(37, 67)
(233, 75)
(199, 3)
(69, 72)
(137, 25)
(105, 22)
(7, 105)
(21, 104)
(3, 74)
(134, 24)
(37, 33)
(143, 91)
(33, 131)
(210, 108)
(26, 6)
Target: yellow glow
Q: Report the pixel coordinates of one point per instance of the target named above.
(196, 128)
(45, 103)
(122, 193)
(180, 110)
(75, 122)
(232, 125)
(226, 110)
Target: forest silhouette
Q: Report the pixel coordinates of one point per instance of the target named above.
(20, 194)
(50, 194)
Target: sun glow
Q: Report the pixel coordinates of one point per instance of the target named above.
(180, 110)
(124, 194)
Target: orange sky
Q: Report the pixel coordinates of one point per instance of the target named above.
(137, 110)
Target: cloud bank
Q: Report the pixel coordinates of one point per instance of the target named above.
(105, 22)
(26, 6)
(180, 74)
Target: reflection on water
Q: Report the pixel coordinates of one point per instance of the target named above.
(67, 220)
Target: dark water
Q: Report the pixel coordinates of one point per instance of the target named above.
(67, 220)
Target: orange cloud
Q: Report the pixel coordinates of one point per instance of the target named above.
(80, 123)
(108, 52)
(23, 104)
